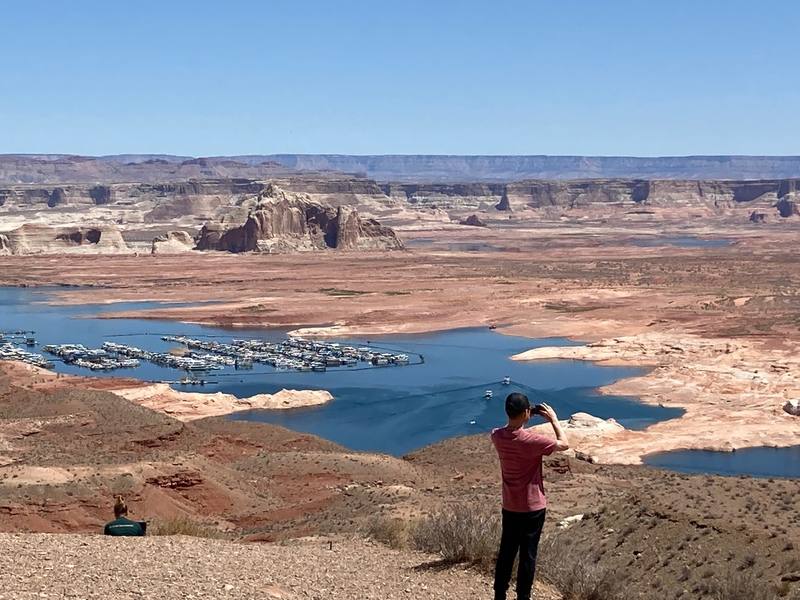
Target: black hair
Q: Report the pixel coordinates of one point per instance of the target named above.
(516, 404)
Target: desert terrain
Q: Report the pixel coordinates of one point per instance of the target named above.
(695, 281)
(715, 326)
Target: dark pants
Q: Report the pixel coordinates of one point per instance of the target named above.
(521, 532)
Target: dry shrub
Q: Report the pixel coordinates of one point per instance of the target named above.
(388, 530)
(469, 534)
(743, 586)
(460, 534)
(574, 574)
(184, 526)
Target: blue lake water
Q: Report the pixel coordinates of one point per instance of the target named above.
(393, 410)
(757, 462)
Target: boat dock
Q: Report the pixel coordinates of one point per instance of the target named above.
(294, 354)
(89, 358)
(203, 355)
(187, 362)
(9, 351)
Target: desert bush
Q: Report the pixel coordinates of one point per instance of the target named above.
(461, 534)
(391, 531)
(184, 526)
(575, 575)
(743, 586)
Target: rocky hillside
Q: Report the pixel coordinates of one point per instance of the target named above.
(280, 221)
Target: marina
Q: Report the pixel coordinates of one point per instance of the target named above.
(210, 355)
(292, 354)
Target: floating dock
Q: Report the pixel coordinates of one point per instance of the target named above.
(202, 355)
(9, 351)
(292, 354)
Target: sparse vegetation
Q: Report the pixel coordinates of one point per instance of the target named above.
(461, 534)
(576, 575)
(743, 586)
(468, 534)
(184, 526)
(566, 307)
(341, 292)
(392, 531)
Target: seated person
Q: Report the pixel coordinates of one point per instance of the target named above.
(122, 525)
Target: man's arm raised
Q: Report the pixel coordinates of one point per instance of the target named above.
(562, 443)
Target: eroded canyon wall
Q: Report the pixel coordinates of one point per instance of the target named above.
(577, 194)
(281, 221)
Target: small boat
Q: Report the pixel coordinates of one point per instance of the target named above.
(506, 380)
(488, 394)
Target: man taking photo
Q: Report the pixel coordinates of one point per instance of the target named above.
(524, 503)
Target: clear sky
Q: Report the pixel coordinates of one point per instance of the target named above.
(606, 77)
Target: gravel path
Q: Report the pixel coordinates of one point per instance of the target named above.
(166, 568)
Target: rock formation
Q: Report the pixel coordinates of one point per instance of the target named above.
(625, 194)
(57, 196)
(188, 406)
(787, 208)
(473, 221)
(172, 242)
(41, 239)
(504, 204)
(283, 222)
(674, 193)
(101, 194)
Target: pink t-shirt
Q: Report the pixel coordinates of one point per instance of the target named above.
(520, 452)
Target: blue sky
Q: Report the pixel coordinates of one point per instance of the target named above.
(606, 77)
